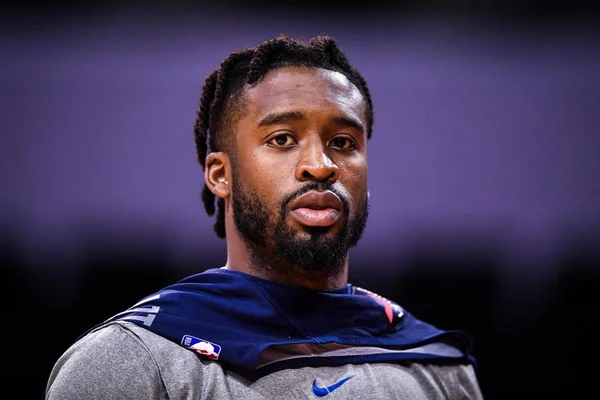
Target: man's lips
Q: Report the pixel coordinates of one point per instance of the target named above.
(317, 209)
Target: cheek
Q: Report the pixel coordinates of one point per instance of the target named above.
(355, 180)
(268, 177)
(355, 174)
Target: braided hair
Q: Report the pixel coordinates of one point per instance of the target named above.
(221, 103)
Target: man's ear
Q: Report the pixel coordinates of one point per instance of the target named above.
(217, 174)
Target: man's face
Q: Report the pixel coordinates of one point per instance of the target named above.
(299, 172)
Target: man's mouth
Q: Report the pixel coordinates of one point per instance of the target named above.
(317, 209)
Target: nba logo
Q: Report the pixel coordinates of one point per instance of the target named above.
(201, 346)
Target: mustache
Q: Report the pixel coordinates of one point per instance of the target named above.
(317, 186)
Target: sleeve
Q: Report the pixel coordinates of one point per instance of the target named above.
(111, 363)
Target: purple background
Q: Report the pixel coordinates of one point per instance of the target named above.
(484, 168)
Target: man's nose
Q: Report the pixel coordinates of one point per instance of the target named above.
(315, 164)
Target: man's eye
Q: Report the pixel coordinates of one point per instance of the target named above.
(343, 143)
(282, 140)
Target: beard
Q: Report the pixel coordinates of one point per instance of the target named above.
(274, 244)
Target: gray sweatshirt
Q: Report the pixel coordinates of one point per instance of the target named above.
(124, 361)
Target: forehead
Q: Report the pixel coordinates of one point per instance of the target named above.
(304, 88)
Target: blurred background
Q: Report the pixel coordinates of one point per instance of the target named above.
(484, 167)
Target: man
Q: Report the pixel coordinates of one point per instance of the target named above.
(281, 134)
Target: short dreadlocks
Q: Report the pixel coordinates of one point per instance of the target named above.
(221, 98)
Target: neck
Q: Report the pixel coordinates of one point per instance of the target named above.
(241, 258)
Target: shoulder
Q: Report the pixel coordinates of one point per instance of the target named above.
(110, 354)
(453, 379)
(131, 358)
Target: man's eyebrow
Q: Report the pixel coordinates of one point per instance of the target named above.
(278, 118)
(349, 122)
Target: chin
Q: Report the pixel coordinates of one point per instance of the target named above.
(315, 232)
